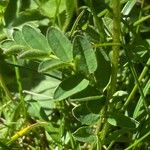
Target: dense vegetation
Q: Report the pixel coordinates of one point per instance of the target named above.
(74, 74)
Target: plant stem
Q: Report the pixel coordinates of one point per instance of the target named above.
(25, 130)
(140, 15)
(115, 48)
(133, 71)
(141, 20)
(140, 101)
(138, 141)
(20, 89)
(115, 61)
(3, 85)
(105, 44)
(130, 97)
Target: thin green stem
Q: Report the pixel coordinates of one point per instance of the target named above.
(141, 20)
(139, 86)
(130, 97)
(3, 85)
(71, 140)
(90, 98)
(133, 71)
(140, 101)
(20, 89)
(5, 105)
(110, 145)
(138, 141)
(105, 44)
(136, 79)
(140, 15)
(102, 13)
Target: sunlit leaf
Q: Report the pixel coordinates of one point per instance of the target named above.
(128, 7)
(60, 45)
(18, 38)
(35, 39)
(70, 86)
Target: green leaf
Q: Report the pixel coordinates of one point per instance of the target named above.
(54, 133)
(82, 114)
(128, 7)
(7, 44)
(42, 88)
(33, 54)
(35, 110)
(118, 119)
(51, 64)
(119, 96)
(35, 39)
(85, 134)
(60, 45)
(103, 71)
(70, 86)
(14, 49)
(108, 22)
(18, 38)
(87, 62)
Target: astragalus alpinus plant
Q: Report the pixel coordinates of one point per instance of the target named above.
(74, 74)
